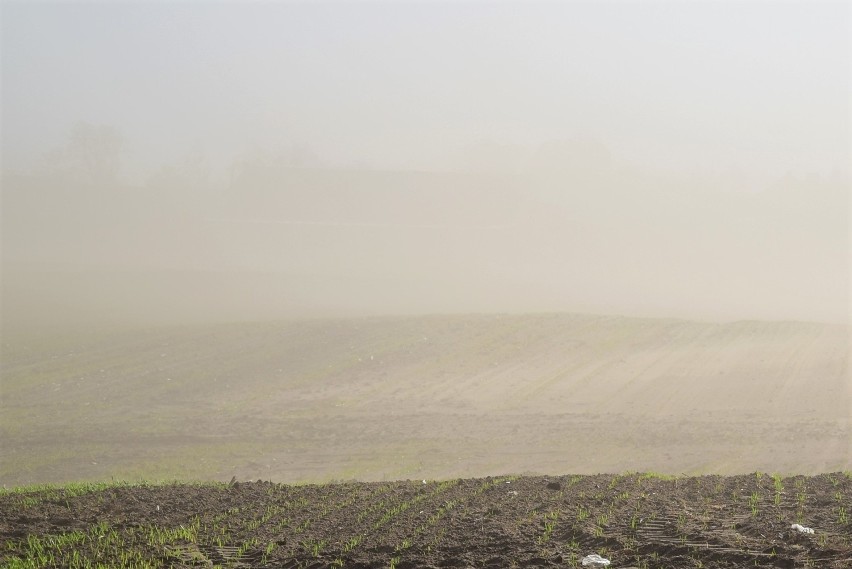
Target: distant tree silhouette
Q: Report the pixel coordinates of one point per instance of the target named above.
(91, 154)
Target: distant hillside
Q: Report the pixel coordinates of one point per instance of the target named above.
(424, 397)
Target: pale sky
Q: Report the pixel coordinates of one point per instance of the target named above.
(757, 87)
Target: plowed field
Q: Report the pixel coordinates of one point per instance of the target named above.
(433, 397)
(635, 520)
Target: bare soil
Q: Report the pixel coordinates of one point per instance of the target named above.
(433, 397)
(634, 520)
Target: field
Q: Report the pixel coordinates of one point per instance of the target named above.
(437, 397)
(441, 441)
(635, 520)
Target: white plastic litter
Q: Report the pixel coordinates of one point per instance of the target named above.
(594, 560)
(802, 529)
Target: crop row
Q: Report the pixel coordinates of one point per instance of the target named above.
(631, 517)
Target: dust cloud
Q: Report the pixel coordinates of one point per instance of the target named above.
(208, 162)
(321, 241)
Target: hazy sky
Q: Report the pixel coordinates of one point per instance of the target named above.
(759, 87)
(652, 143)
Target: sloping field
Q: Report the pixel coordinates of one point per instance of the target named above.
(424, 397)
(634, 520)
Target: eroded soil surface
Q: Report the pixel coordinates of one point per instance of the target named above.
(435, 397)
(634, 520)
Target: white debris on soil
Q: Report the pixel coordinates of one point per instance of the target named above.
(595, 560)
(802, 529)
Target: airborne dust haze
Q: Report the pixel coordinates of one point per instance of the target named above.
(183, 161)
